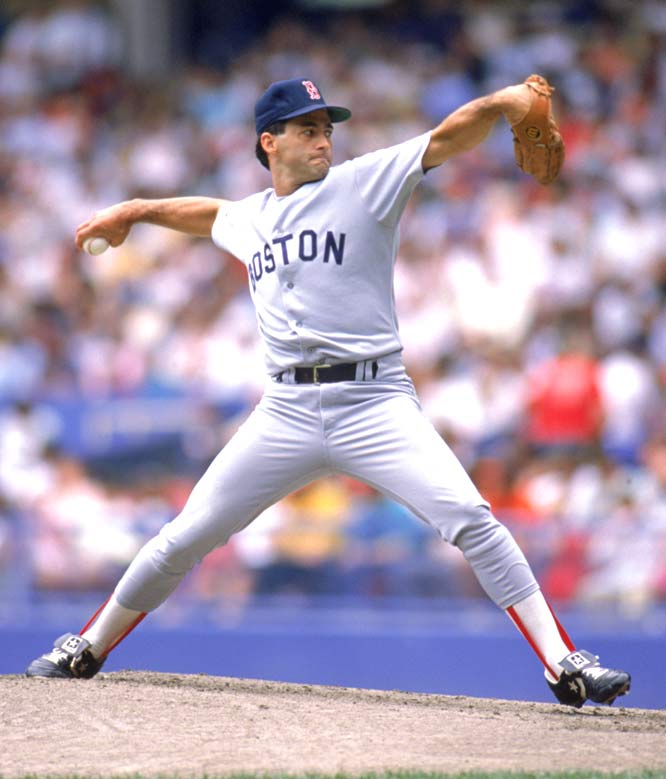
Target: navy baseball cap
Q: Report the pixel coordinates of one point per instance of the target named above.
(293, 97)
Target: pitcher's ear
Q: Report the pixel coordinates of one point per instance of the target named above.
(268, 142)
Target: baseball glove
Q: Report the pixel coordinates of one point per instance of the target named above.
(537, 143)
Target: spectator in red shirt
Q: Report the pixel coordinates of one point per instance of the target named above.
(564, 402)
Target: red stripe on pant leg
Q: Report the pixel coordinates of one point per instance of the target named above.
(519, 624)
(115, 643)
(563, 633)
(94, 617)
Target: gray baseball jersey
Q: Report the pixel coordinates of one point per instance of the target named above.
(320, 264)
(320, 261)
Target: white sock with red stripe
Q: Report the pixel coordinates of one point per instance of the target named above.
(109, 625)
(536, 621)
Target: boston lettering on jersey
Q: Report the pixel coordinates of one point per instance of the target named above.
(306, 247)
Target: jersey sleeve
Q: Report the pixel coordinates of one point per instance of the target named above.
(387, 177)
(223, 227)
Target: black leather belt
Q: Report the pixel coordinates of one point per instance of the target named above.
(325, 374)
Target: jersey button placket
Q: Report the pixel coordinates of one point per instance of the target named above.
(289, 286)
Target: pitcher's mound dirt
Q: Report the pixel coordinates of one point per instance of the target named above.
(152, 724)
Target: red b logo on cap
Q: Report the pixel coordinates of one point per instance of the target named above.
(312, 90)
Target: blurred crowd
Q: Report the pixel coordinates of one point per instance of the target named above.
(533, 318)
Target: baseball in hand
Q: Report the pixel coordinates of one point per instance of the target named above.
(95, 245)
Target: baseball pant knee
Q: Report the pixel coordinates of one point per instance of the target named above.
(160, 566)
(496, 559)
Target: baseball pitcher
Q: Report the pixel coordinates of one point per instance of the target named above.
(319, 247)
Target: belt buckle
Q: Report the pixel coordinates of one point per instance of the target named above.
(315, 372)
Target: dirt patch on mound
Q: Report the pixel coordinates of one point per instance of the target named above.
(149, 723)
